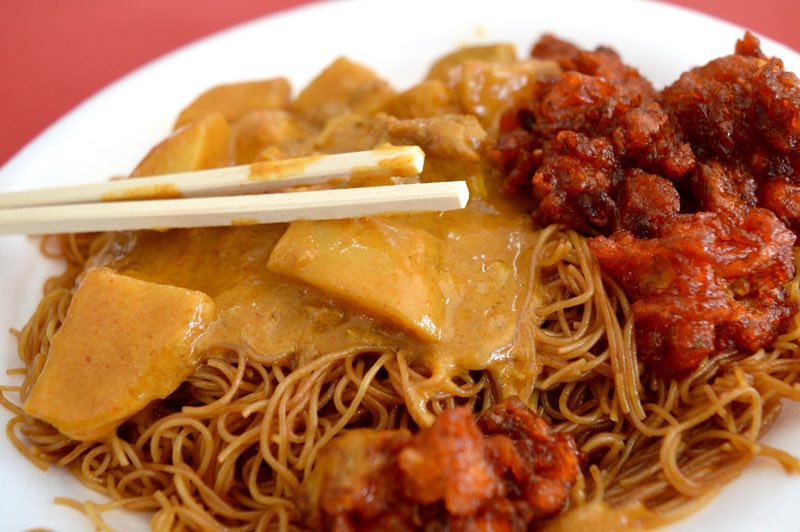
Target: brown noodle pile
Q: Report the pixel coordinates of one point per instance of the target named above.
(232, 445)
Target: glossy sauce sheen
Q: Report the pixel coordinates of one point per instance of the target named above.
(482, 275)
(451, 305)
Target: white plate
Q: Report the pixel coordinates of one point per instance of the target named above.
(109, 133)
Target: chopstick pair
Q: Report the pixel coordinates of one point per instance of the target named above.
(236, 195)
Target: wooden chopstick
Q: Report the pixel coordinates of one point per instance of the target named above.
(234, 210)
(337, 169)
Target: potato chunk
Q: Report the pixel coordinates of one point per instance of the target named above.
(426, 100)
(235, 100)
(386, 268)
(493, 53)
(487, 89)
(343, 87)
(351, 132)
(269, 129)
(198, 146)
(123, 343)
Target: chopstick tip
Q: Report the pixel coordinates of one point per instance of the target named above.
(463, 193)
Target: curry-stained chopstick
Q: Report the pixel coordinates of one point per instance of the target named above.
(235, 210)
(336, 169)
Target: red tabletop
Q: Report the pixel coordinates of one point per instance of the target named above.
(44, 45)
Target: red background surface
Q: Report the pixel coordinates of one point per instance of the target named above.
(56, 53)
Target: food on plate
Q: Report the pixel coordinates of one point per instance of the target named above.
(200, 145)
(678, 186)
(238, 99)
(387, 269)
(123, 343)
(599, 338)
(490, 475)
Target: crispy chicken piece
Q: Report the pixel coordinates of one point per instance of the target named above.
(581, 103)
(562, 52)
(743, 110)
(647, 203)
(604, 154)
(603, 63)
(724, 188)
(576, 182)
(527, 454)
(647, 139)
(740, 105)
(782, 198)
(707, 283)
(501, 473)
(749, 45)
(447, 463)
(354, 483)
(573, 138)
(712, 104)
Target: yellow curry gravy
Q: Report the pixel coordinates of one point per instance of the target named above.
(446, 289)
(482, 275)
